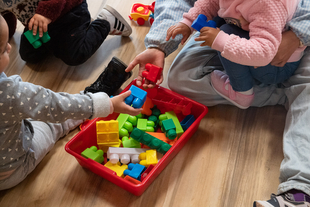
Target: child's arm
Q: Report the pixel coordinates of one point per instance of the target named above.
(25, 100)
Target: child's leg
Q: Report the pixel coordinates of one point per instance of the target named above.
(28, 53)
(270, 74)
(44, 137)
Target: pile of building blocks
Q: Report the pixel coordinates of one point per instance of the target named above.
(132, 145)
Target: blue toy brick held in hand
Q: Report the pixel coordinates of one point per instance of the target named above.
(136, 98)
(201, 22)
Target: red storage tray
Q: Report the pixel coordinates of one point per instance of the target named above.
(87, 138)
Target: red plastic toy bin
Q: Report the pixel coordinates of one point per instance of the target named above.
(87, 138)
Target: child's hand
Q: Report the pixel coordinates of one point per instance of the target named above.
(121, 107)
(38, 21)
(179, 28)
(208, 35)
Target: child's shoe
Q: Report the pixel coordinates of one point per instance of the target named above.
(221, 85)
(286, 200)
(118, 24)
(111, 79)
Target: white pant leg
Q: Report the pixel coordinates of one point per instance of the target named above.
(295, 168)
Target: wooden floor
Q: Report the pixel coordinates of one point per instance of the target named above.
(232, 159)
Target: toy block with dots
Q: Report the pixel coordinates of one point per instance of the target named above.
(148, 158)
(168, 127)
(152, 73)
(154, 117)
(173, 116)
(134, 170)
(130, 143)
(137, 97)
(201, 22)
(118, 168)
(94, 154)
(125, 155)
(145, 125)
(126, 123)
(35, 40)
(150, 141)
(107, 134)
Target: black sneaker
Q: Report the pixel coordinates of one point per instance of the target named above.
(111, 79)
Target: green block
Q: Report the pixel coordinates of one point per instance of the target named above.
(169, 129)
(36, 40)
(126, 124)
(150, 140)
(93, 153)
(173, 116)
(130, 143)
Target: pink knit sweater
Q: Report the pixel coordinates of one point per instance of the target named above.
(264, 19)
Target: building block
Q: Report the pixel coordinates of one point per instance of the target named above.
(152, 72)
(168, 128)
(35, 40)
(150, 141)
(187, 122)
(132, 180)
(125, 155)
(107, 132)
(93, 153)
(137, 97)
(162, 137)
(148, 158)
(118, 168)
(168, 103)
(126, 124)
(173, 116)
(201, 22)
(130, 143)
(147, 106)
(146, 172)
(145, 125)
(135, 170)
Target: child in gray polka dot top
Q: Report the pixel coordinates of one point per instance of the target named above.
(33, 118)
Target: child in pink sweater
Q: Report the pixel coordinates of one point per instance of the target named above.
(246, 43)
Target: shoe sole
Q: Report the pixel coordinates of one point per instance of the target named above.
(262, 204)
(120, 18)
(236, 104)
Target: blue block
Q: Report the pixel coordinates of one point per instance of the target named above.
(135, 170)
(136, 98)
(201, 22)
(187, 122)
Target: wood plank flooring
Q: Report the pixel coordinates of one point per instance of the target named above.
(232, 159)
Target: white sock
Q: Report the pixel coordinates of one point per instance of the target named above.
(106, 15)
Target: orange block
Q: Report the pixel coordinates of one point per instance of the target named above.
(146, 108)
(162, 136)
(132, 180)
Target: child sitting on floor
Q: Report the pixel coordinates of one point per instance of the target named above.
(34, 118)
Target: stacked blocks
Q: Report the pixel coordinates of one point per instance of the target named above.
(137, 97)
(93, 153)
(150, 141)
(36, 40)
(173, 116)
(135, 171)
(169, 129)
(126, 124)
(148, 158)
(107, 134)
(201, 22)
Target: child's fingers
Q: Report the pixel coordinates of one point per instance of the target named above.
(125, 94)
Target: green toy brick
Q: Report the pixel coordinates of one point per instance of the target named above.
(130, 143)
(126, 124)
(173, 116)
(150, 140)
(145, 125)
(93, 153)
(36, 40)
(168, 127)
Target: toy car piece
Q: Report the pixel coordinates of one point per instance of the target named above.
(142, 13)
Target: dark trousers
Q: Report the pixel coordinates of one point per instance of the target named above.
(73, 38)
